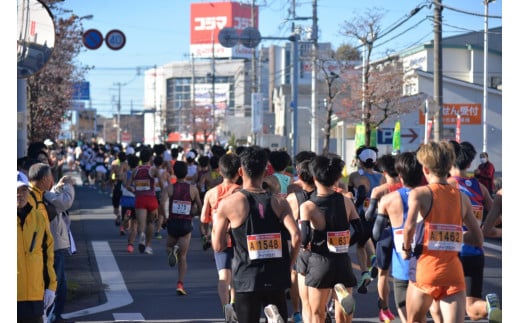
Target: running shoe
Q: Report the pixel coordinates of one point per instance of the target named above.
(180, 289)
(386, 316)
(172, 257)
(229, 313)
(348, 304)
(373, 267)
(493, 308)
(297, 317)
(158, 235)
(142, 241)
(272, 314)
(206, 244)
(148, 250)
(363, 283)
(122, 230)
(130, 248)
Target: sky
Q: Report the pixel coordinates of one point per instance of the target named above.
(157, 32)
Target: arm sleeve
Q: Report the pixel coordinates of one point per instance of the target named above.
(371, 211)
(380, 224)
(306, 232)
(357, 231)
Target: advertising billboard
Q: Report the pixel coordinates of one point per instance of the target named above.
(206, 21)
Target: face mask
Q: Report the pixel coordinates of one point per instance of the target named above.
(483, 160)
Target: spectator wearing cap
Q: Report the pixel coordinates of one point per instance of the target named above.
(36, 279)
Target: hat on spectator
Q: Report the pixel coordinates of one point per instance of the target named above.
(22, 180)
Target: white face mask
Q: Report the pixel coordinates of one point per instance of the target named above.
(483, 160)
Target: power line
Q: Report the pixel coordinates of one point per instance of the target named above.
(464, 11)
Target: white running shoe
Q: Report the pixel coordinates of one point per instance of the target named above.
(272, 314)
(229, 313)
(148, 250)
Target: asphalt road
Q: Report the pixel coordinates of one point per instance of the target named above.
(107, 284)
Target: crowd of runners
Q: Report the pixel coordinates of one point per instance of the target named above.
(283, 226)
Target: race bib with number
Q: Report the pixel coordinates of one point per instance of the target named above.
(181, 207)
(338, 241)
(478, 212)
(264, 246)
(444, 237)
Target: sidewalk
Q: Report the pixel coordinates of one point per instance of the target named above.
(83, 282)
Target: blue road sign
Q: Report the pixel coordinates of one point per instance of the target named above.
(92, 39)
(81, 91)
(115, 39)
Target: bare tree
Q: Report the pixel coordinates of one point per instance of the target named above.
(377, 93)
(384, 94)
(366, 29)
(50, 91)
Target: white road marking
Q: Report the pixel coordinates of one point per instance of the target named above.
(116, 293)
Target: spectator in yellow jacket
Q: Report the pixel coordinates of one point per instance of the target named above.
(36, 279)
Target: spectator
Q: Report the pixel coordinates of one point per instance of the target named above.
(35, 258)
(486, 173)
(61, 196)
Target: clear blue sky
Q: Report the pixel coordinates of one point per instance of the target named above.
(157, 32)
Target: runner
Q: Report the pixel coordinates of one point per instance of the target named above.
(361, 184)
(262, 263)
(228, 168)
(146, 205)
(298, 287)
(325, 226)
(436, 214)
(384, 241)
(393, 210)
(182, 197)
(472, 256)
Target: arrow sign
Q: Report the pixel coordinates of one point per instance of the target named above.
(412, 135)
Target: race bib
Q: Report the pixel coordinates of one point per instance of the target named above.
(264, 246)
(338, 241)
(444, 237)
(181, 207)
(142, 185)
(478, 212)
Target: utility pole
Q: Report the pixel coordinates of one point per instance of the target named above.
(485, 83)
(314, 99)
(294, 85)
(213, 71)
(119, 112)
(253, 71)
(437, 70)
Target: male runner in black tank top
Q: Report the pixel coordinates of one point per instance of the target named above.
(261, 263)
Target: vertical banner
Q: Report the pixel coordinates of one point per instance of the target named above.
(396, 140)
(257, 115)
(360, 135)
(373, 137)
(457, 131)
(430, 124)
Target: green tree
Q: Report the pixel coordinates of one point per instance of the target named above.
(347, 52)
(49, 92)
